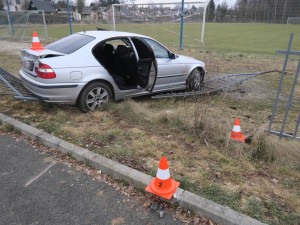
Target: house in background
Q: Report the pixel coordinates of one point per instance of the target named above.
(89, 15)
(41, 5)
(14, 5)
(75, 16)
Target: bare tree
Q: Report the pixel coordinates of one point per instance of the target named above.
(223, 10)
(80, 5)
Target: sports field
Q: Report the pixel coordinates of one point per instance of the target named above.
(225, 37)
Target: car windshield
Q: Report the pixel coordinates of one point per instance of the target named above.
(70, 44)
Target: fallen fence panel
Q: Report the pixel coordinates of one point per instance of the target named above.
(11, 85)
(216, 84)
(281, 133)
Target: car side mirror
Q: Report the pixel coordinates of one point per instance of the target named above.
(172, 56)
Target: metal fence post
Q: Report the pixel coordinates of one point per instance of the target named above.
(290, 99)
(68, 5)
(181, 24)
(9, 19)
(280, 82)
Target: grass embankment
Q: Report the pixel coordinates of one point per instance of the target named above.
(260, 179)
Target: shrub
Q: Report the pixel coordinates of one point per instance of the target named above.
(263, 148)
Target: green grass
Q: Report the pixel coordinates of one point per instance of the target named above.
(232, 37)
(228, 37)
(250, 37)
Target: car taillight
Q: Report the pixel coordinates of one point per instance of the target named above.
(44, 71)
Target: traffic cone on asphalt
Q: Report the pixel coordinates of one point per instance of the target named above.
(36, 44)
(162, 185)
(236, 133)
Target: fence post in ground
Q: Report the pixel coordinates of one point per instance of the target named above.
(281, 132)
(9, 19)
(290, 101)
(181, 23)
(280, 82)
(69, 16)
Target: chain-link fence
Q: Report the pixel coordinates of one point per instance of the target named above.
(252, 26)
(19, 25)
(161, 21)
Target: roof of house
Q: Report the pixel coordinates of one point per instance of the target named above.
(41, 5)
(86, 11)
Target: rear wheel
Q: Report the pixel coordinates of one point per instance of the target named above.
(195, 80)
(93, 95)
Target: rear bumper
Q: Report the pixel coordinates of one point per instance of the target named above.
(65, 93)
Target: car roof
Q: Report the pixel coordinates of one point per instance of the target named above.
(102, 35)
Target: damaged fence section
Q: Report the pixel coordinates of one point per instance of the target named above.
(216, 84)
(281, 133)
(11, 85)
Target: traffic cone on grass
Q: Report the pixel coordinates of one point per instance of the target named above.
(162, 185)
(36, 44)
(236, 133)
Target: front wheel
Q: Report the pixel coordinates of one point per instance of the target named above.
(195, 80)
(93, 95)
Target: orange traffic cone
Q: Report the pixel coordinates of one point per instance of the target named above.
(162, 185)
(36, 44)
(236, 133)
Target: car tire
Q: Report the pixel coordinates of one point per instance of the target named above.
(93, 95)
(195, 80)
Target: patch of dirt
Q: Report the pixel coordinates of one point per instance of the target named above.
(13, 47)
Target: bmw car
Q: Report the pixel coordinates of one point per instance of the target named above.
(90, 68)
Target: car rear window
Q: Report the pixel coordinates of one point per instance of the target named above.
(70, 44)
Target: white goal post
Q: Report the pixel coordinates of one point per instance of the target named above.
(162, 21)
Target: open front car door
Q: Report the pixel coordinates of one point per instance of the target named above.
(146, 65)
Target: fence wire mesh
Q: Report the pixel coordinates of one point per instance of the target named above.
(160, 21)
(19, 25)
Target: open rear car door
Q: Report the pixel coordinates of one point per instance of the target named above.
(146, 65)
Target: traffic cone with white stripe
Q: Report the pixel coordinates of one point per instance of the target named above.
(36, 44)
(236, 133)
(162, 185)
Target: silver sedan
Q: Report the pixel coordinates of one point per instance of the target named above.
(93, 67)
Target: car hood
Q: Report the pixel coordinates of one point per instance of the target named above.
(190, 60)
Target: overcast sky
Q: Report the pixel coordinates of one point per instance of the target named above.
(229, 2)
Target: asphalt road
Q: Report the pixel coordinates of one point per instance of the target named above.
(36, 189)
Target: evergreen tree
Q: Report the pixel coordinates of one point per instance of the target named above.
(223, 10)
(210, 11)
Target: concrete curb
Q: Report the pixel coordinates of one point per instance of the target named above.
(186, 199)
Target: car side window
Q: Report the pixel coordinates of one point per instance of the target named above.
(158, 49)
